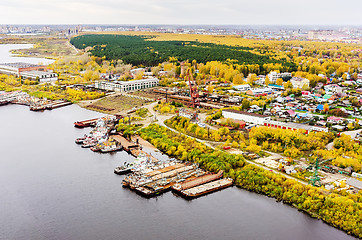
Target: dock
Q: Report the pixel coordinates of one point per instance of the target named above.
(127, 145)
(187, 179)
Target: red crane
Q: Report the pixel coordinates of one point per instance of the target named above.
(194, 94)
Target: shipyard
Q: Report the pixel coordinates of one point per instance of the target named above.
(147, 175)
(181, 131)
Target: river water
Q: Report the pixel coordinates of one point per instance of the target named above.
(51, 188)
(7, 57)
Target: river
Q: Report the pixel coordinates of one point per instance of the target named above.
(51, 188)
(7, 57)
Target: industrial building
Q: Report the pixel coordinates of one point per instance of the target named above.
(127, 86)
(28, 71)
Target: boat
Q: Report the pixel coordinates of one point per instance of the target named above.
(85, 123)
(111, 148)
(207, 188)
(126, 168)
(89, 143)
(80, 140)
(37, 107)
(197, 181)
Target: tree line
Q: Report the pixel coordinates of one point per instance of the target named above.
(138, 50)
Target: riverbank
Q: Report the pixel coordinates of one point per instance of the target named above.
(328, 207)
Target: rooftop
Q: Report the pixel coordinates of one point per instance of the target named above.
(245, 113)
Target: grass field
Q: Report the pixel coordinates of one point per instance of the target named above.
(117, 103)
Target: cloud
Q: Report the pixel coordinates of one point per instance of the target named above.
(236, 12)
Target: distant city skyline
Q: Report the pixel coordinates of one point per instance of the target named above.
(229, 12)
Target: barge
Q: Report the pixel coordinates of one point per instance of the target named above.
(85, 123)
(206, 188)
(197, 181)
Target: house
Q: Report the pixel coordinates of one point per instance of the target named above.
(252, 118)
(334, 88)
(298, 82)
(243, 87)
(334, 120)
(291, 113)
(187, 114)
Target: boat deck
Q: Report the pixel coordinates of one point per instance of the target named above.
(208, 187)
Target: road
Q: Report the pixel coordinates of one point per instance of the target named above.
(161, 118)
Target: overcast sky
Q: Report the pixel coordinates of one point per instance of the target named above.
(233, 12)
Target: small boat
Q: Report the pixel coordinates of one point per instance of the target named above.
(126, 168)
(88, 144)
(80, 140)
(111, 148)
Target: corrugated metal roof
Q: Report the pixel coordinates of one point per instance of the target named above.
(354, 183)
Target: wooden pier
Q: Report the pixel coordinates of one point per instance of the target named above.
(127, 145)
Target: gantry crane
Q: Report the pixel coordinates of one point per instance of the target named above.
(194, 94)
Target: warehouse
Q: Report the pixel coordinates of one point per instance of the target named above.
(28, 71)
(17, 68)
(245, 116)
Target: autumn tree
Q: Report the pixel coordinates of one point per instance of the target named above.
(267, 81)
(325, 107)
(279, 82)
(238, 79)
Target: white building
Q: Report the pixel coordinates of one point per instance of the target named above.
(243, 87)
(127, 86)
(298, 82)
(187, 114)
(273, 76)
(39, 75)
(252, 118)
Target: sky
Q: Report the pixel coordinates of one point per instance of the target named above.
(188, 12)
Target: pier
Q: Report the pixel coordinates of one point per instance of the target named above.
(127, 145)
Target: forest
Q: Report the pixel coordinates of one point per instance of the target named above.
(139, 50)
(339, 209)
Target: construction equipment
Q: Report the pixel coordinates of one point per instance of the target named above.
(195, 102)
(315, 180)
